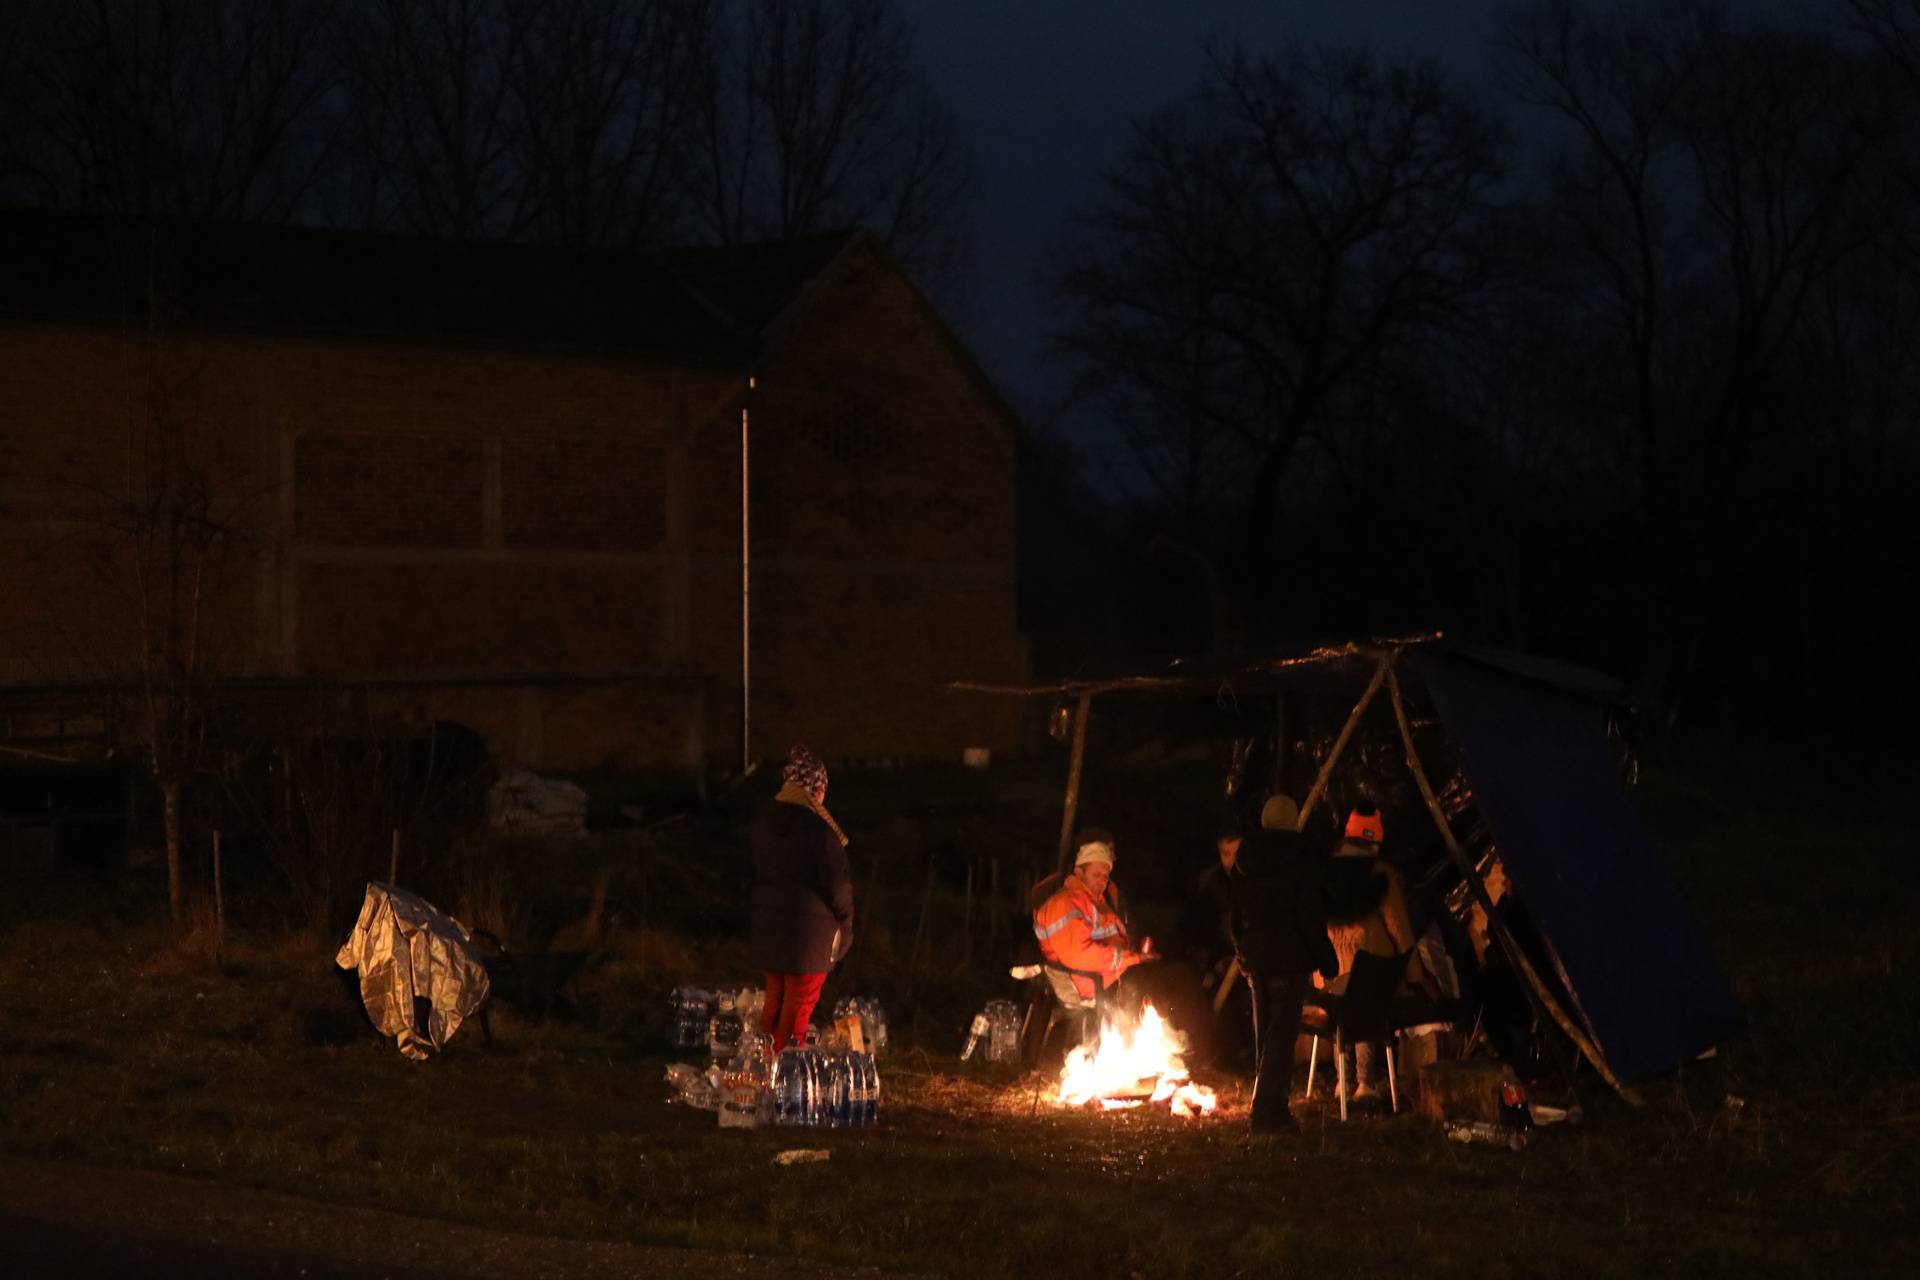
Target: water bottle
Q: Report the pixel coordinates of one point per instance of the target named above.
(839, 1089)
(755, 1062)
(876, 1024)
(980, 1028)
(867, 1083)
(723, 1032)
(792, 1087)
(1003, 1043)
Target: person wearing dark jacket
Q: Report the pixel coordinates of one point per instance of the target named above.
(802, 897)
(1280, 936)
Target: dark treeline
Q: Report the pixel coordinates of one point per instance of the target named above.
(590, 123)
(1614, 358)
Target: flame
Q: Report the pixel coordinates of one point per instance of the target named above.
(1132, 1067)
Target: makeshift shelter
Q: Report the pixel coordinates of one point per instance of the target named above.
(420, 976)
(1530, 796)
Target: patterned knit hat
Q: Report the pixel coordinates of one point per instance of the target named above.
(805, 770)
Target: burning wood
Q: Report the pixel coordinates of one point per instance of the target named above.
(1133, 1067)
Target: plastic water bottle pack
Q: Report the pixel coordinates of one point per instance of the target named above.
(830, 1088)
(873, 1019)
(724, 1030)
(1003, 1031)
(692, 1010)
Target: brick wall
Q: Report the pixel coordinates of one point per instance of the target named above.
(456, 519)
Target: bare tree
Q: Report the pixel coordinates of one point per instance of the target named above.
(437, 135)
(1260, 251)
(813, 118)
(607, 88)
(161, 527)
(1713, 182)
(189, 107)
(555, 120)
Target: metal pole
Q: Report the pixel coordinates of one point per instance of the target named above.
(746, 582)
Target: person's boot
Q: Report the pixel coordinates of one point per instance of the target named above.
(1366, 1091)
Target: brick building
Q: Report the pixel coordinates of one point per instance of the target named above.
(501, 485)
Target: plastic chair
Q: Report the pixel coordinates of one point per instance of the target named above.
(1364, 1013)
(1053, 986)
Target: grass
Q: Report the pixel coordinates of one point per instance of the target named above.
(123, 1050)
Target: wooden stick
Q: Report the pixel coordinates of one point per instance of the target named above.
(1314, 797)
(1073, 781)
(993, 910)
(920, 930)
(966, 923)
(219, 907)
(393, 867)
(1508, 943)
(1340, 743)
(1226, 986)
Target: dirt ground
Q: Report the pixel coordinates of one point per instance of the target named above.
(79, 1221)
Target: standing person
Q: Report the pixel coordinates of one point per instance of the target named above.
(1280, 936)
(802, 897)
(1366, 905)
(1211, 946)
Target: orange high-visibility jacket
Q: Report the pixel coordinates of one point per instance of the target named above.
(1076, 932)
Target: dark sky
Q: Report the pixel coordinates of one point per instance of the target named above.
(1045, 91)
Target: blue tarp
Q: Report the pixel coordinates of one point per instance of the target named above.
(1574, 848)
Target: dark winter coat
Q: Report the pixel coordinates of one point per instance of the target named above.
(1279, 926)
(802, 891)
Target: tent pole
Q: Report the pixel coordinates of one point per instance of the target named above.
(1340, 743)
(1073, 781)
(1508, 943)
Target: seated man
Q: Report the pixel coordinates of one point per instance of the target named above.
(1079, 927)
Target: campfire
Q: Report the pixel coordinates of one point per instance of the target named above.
(1134, 1067)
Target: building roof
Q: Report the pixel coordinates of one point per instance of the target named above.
(696, 306)
(754, 283)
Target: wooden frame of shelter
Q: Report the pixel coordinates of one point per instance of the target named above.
(1384, 654)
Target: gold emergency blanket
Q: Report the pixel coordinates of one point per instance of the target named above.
(420, 976)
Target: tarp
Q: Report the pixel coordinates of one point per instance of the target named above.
(1574, 848)
(420, 976)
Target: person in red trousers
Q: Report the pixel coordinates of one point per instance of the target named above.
(802, 897)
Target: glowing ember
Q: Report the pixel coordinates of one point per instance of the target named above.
(1132, 1067)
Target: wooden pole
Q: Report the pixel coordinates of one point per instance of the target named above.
(1340, 743)
(219, 907)
(966, 922)
(926, 907)
(993, 910)
(1320, 781)
(1508, 943)
(646, 866)
(393, 865)
(1073, 781)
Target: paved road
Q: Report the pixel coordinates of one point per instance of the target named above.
(59, 1221)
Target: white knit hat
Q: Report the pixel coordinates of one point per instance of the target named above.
(1094, 851)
